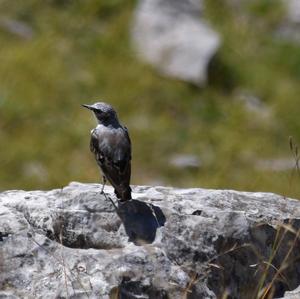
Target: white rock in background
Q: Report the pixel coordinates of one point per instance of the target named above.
(171, 35)
(293, 10)
(254, 105)
(279, 164)
(185, 161)
(16, 27)
(290, 27)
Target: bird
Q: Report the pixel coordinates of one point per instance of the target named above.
(111, 145)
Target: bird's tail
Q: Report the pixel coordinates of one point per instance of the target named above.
(123, 193)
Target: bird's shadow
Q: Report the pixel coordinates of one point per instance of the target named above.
(140, 220)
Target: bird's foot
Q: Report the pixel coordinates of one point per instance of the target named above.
(109, 198)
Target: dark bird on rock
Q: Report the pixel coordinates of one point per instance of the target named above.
(111, 146)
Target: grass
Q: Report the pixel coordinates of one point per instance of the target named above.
(80, 51)
(269, 278)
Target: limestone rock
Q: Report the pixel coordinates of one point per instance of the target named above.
(290, 26)
(194, 243)
(293, 294)
(185, 161)
(172, 36)
(17, 28)
(293, 11)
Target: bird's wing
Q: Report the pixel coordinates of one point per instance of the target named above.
(94, 148)
(113, 155)
(122, 154)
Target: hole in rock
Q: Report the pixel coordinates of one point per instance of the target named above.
(197, 212)
(135, 289)
(2, 236)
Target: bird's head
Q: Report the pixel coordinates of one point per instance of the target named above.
(104, 113)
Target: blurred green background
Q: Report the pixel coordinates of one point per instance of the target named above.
(76, 52)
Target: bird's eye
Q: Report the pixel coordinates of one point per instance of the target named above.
(102, 114)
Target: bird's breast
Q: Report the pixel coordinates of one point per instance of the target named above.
(111, 139)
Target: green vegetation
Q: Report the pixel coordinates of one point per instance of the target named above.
(80, 52)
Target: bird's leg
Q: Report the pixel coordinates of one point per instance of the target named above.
(106, 196)
(103, 184)
(114, 205)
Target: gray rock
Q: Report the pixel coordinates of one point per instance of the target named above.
(185, 161)
(70, 243)
(171, 35)
(17, 28)
(293, 294)
(290, 27)
(254, 104)
(279, 164)
(293, 10)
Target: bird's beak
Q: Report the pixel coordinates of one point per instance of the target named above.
(87, 106)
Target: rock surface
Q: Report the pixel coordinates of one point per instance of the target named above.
(70, 243)
(295, 294)
(171, 35)
(290, 27)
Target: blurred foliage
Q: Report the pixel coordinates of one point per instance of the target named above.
(73, 52)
